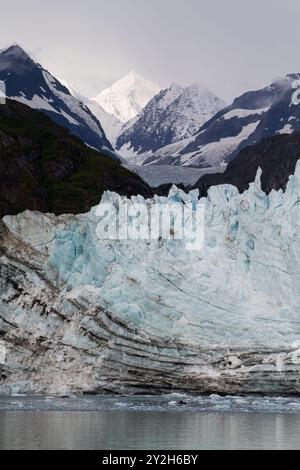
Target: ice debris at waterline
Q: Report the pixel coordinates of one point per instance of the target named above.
(82, 315)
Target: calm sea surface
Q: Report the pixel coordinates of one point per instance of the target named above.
(166, 422)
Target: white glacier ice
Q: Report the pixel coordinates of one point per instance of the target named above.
(139, 315)
(234, 284)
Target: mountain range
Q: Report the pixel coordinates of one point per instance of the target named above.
(172, 115)
(145, 125)
(118, 104)
(110, 123)
(43, 167)
(191, 127)
(251, 117)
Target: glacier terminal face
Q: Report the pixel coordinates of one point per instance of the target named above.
(81, 314)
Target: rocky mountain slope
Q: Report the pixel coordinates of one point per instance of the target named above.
(111, 125)
(172, 115)
(28, 82)
(277, 156)
(43, 167)
(79, 314)
(273, 110)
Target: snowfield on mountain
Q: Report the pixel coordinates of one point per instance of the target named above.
(127, 97)
(255, 115)
(171, 116)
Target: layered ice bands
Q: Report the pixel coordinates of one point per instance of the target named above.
(78, 313)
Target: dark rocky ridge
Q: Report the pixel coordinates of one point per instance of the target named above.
(276, 156)
(43, 167)
(172, 115)
(275, 98)
(27, 80)
(253, 116)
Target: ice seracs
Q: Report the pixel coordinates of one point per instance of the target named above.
(79, 313)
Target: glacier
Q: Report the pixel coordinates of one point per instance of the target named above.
(81, 314)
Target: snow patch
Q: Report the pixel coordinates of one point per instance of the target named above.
(243, 113)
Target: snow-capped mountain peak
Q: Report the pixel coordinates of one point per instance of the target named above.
(28, 82)
(127, 97)
(15, 59)
(172, 115)
(131, 79)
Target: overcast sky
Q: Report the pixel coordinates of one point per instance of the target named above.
(227, 45)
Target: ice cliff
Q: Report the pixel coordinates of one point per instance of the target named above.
(78, 314)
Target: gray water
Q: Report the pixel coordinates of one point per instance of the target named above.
(155, 175)
(171, 422)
